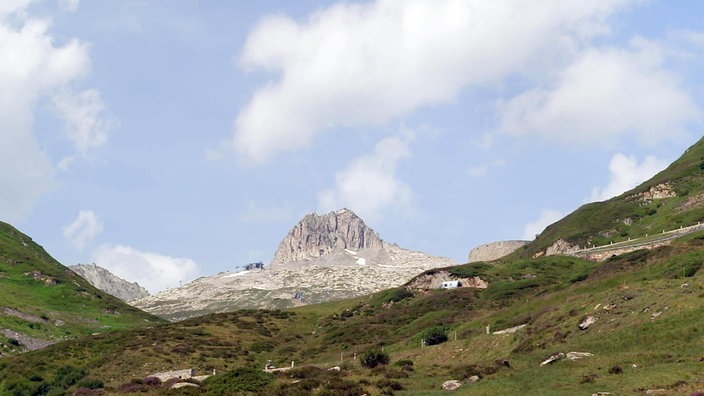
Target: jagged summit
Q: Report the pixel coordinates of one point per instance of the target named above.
(317, 236)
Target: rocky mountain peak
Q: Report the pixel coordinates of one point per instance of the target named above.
(110, 283)
(316, 236)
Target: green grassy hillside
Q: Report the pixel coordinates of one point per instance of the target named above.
(41, 301)
(647, 336)
(629, 216)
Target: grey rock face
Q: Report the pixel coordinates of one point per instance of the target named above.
(317, 236)
(495, 250)
(110, 283)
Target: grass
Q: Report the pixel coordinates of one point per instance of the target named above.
(551, 308)
(43, 299)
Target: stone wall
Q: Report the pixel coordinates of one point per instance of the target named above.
(494, 250)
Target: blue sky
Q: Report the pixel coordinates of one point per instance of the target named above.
(166, 140)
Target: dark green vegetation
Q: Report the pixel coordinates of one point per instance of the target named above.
(41, 301)
(645, 310)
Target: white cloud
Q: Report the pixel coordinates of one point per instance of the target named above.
(547, 217)
(32, 67)
(606, 94)
(366, 64)
(83, 229)
(154, 271)
(627, 173)
(369, 184)
(86, 120)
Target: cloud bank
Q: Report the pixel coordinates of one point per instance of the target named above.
(33, 68)
(605, 94)
(352, 65)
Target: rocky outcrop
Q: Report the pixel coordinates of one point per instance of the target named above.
(110, 283)
(495, 250)
(661, 191)
(317, 236)
(561, 247)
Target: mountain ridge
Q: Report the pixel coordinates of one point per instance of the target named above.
(110, 283)
(323, 258)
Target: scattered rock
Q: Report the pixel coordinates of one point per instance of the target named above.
(553, 359)
(510, 330)
(656, 391)
(588, 321)
(473, 379)
(663, 190)
(183, 385)
(578, 355)
(451, 385)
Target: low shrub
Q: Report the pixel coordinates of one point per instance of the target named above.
(241, 380)
(373, 358)
(67, 376)
(386, 383)
(434, 335)
(91, 383)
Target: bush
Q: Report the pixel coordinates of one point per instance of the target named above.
(393, 295)
(389, 384)
(241, 380)
(90, 383)
(434, 335)
(67, 376)
(373, 358)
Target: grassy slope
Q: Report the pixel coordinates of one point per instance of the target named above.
(543, 293)
(601, 222)
(54, 303)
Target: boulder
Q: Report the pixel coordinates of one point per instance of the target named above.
(451, 385)
(578, 355)
(588, 321)
(553, 359)
(184, 385)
